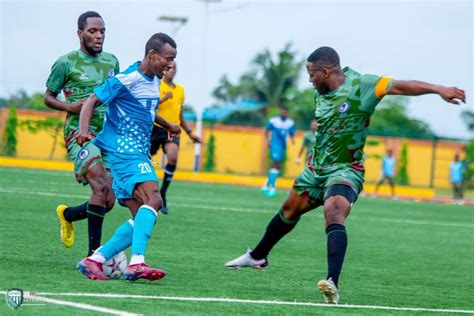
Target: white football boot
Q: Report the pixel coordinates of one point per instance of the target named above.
(245, 261)
(329, 291)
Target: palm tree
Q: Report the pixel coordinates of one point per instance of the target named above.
(269, 80)
(274, 78)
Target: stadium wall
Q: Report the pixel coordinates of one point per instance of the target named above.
(241, 150)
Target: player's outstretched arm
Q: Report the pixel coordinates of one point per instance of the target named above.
(86, 113)
(449, 94)
(51, 101)
(187, 129)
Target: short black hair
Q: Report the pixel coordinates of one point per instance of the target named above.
(324, 56)
(157, 41)
(284, 107)
(82, 20)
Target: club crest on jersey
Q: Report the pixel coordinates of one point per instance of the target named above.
(14, 298)
(83, 154)
(344, 107)
(111, 72)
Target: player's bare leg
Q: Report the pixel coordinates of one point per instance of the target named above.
(102, 199)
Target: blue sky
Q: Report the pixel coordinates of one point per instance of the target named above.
(429, 41)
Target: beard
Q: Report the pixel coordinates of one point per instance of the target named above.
(90, 49)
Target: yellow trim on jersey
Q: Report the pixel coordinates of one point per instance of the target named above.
(383, 87)
(170, 109)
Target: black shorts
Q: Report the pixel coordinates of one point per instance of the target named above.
(159, 138)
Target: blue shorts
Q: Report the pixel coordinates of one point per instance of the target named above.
(277, 153)
(128, 171)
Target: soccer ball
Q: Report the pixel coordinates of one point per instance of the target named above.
(115, 266)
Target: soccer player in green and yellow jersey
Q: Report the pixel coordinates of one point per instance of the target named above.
(334, 174)
(77, 74)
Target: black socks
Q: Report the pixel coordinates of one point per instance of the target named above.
(337, 244)
(278, 227)
(76, 213)
(95, 218)
(169, 172)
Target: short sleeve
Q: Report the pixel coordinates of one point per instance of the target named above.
(109, 90)
(268, 126)
(293, 129)
(183, 97)
(372, 89)
(58, 76)
(117, 66)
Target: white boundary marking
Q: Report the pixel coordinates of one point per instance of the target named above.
(261, 302)
(250, 210)
(76, 305)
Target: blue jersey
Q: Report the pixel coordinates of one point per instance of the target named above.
(388, 166)
(132, 99)
(280, 130)
(455, 171)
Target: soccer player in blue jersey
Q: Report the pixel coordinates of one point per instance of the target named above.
(133, 97)
(388, 172)
(279, 127)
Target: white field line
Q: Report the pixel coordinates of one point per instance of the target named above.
(250, 210)
(75, 305)
(260, 302)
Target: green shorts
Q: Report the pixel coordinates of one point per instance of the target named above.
(85, 158)
(315, 184)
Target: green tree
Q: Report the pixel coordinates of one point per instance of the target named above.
(391, 119)
(9, 137)
(21, 100)
(402, 174)
(51, 125)
(301, 106)
(269, 80)
(468, 118)
(210, 163)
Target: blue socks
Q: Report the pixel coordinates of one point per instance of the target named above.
(272, 177)
(144, 222)
(121, 240)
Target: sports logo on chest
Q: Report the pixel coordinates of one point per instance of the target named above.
(344, 107)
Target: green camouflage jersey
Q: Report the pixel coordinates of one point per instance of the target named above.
(77, 74)
(343, 117)
(309, 140)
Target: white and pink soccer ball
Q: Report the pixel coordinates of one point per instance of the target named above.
(115, 266)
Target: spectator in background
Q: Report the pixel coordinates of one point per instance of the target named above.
(388, 172)
(456, 178)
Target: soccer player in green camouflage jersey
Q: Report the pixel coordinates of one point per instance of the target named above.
(77, 74)
(309, 140)
(334, 174)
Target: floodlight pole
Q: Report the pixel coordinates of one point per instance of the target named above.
(197, 146)
(180, 20)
